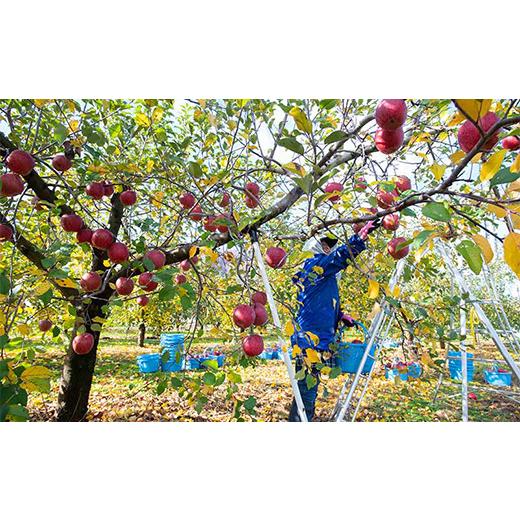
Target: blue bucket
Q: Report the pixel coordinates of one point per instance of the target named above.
(349, 355)
(495, 378)
(392, 373)
(173, 343)
(414, 370)
(455, 365)
(148, 363)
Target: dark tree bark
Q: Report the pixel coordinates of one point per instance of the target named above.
(142, 331)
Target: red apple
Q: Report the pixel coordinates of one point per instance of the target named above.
(12, 184)
(252, 188)
(144, 279)
(128, 197)
(185, 265)
(472, 396)
(84, 236)
(151, 286)
(222, 219)
(118, 253)
(90, 281)
(260, 314)
(180, 279)
(469, 135)
(486, 122)
(226, 199)
(6, 232)
(102, 239)
(393, 245)
(20, 162)
(108, 188)
(61, 163)
(275, 257)
(360, 184)
(196, 213)
(403, 183)
(83, 343)
(143, 300)
(391, 113)
(252, 202)
(511, 142)
(124, 286)
(334, 187)
(385, 199)
(243, 316)
(157, 257)
(391, 222)
(45, 325)
(259, 297)
(187, 200)
(209, 224)
(96, 190)
(389, 141)
(253, 345)
(71, 223)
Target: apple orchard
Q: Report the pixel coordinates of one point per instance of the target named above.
(118, 211)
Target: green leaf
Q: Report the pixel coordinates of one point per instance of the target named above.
(176, 382)
(436, 211)
(421, 238)
(327, 104)
(48, 262)
(195, 169)
(504, 176)
(167, 293)
(291, 144)
(407, 212)
(161, 387)
(60, 133)
(335, 136)
(59, 274)
(233, 288)
(472, 254)
(4, 284)
(209, 378)
(46, 297)
(335, 372)
(311, 381)
(210, 363)
(249, 403)
(17, 413)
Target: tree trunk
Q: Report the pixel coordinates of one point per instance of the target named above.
(142, 331)
(77, 374)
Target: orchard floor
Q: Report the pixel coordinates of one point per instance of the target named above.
(120, 393)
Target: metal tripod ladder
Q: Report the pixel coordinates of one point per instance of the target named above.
(504, 338)
(355, 386)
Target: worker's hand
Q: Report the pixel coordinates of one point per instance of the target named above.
(348, 320)
(368, 228)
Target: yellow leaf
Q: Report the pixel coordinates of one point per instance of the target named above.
(182, 291)
(157, 114)
(474, 108)
(142, 119)
(312, 356)
(42, 287)
(373, 289)
(315, 339)
(68, 283)
(375, 309)
(457, 156)
(438, 170)
(301, 120)
(427, 360)
(456, 119)
(485, 247)
(514, 186)
(289, 328)
(512, 252)
(476, 158)
(296, 351)
(492, 165)
(36, 379)
(515, 167)
(193, 251)
(24, 329)
(295, 168)
(496, 210)
(42, 102)
(514, 214)
(242, 102)
(318, 269)
(106, 263)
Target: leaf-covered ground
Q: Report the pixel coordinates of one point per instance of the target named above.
(120, 393)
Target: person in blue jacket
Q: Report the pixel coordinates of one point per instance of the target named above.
(319, 311)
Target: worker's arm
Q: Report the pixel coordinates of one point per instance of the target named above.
(338, 260)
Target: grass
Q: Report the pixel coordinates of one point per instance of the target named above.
(120, 393)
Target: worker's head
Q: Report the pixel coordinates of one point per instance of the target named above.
(328, 244)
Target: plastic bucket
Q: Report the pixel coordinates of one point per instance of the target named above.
(349, 355)
(392, 373)
(492, 377)
(148, 363)
(455, 365)
(414, 370)
(173, 343)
